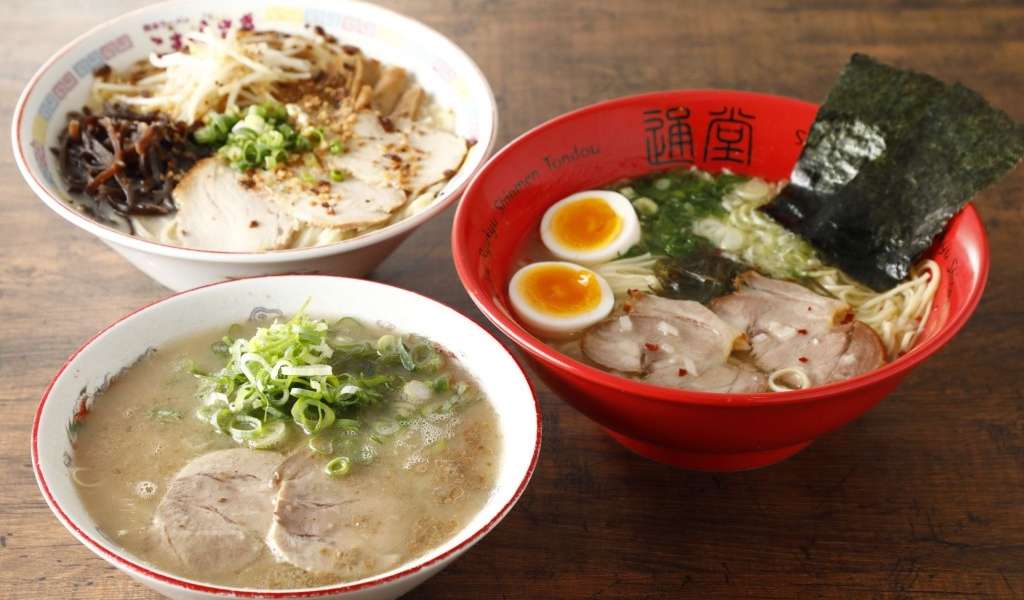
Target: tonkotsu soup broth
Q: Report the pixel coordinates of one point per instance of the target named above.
(419, 465)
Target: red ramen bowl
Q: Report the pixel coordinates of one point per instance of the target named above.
(753, 134)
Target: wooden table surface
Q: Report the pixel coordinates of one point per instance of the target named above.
(921, 498)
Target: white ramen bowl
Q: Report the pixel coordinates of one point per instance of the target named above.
(70, 394)
(62, 85)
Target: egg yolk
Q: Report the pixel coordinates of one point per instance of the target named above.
(586, 224)
(560, 289)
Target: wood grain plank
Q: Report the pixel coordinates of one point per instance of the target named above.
(921, 498)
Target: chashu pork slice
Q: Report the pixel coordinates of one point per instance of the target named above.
(782, 307)
(658, 332)
(349, 204)
(217, 212)
(433, 156)
(648, 305)
(791, 327)
(349, 527)
(732, 376)
(406, 154)
(369, 154)
(217, 510)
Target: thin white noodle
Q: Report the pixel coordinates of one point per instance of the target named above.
(775, 383)
(633, 273)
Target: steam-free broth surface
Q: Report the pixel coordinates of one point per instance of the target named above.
(420, 465)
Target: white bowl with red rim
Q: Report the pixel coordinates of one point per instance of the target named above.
(79, 382)
(62, 85)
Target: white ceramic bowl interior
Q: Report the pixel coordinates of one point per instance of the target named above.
(62, 84)
(89, 369)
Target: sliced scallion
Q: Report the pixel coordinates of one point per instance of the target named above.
(338, 467)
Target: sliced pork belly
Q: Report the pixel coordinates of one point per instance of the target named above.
(217, 510)
(347, 527)
(730, 377)
(780, 307)
(433, 156)
(649, 305)
(789, 326)
(217, 212)
(659, 331)
(816, 355)
(864, 353)
(348, 204)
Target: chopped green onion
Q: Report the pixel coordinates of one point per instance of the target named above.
(326, 379)
(338, 467)
(321, 444)
(645, 206)
(441, 384)
(307, 371)
(338, 175)
(347, 424)
(403, 354)
(323, 415)
(387, 345)
(260, 138)
(336, 147)
(268, 435)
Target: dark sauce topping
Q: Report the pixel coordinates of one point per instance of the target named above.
(129, 161)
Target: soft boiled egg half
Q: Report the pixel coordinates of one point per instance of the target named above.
(559, 299)
(590, 227)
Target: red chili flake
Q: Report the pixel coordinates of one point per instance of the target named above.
(224, 24)
(802, 359)
(254, 223)
(245, 22)
(809, 309)
(347, 49)
(176, 41)
(652, 347)
(156, 40)
(683, 372)
(848, 318)
(802, 331)
(449, 173)
(386, 124)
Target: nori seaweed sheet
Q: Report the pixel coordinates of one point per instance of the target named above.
(891, 157)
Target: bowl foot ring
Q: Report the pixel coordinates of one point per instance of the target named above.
(708, 461)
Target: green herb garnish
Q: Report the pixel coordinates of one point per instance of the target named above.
(669, 203)
(304, 374)
(260, 137)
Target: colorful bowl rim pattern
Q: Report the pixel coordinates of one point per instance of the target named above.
(279, 12)
(138, 568)
(561, 362)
